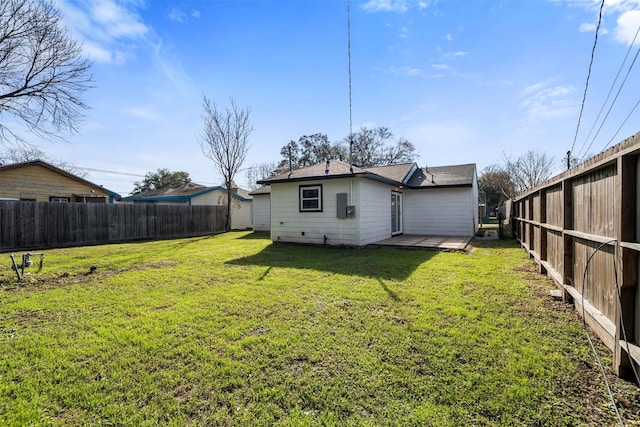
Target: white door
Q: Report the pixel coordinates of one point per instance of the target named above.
(396, 213)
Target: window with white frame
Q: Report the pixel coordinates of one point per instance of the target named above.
(59, 199)
(311, 198)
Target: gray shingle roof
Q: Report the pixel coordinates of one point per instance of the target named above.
(265, 189)
(439, 176)
(443, 176)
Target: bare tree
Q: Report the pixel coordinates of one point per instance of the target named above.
(27, 153)
(528, 170)
(260, 171)
(43, 72)
(225, 141)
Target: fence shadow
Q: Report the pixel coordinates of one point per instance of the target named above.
(381, 263)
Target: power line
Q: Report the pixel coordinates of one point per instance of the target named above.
(586, 86)
(609, 94)
(621, 125)
(108, 171)
(614, 101)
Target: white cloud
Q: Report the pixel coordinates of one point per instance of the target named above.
(117, 21)
(626, 14)
(423, 5)
(587, 27)
(546, 101)
(106, 28)
(386, 6)
(403, 33)
(444, 67)
(177, 15)
(144, 113)
(628, 24)
(448, 37)
(407, 71)
(180, 16)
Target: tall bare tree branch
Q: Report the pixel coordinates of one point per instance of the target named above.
(225, 141)
(43, 73)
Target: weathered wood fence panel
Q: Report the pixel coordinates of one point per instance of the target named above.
(38, 225)
(583, 229)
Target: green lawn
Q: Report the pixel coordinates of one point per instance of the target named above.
(233, 330)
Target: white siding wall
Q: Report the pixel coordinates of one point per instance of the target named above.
(240, 210)
(261, 212)
(288, 224)
(474, 203)
(443, 211)
(374, 211)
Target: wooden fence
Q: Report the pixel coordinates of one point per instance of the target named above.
(583, 229)
(40, 225)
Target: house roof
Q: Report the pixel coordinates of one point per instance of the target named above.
(182, 190)
(61, 172)
(408, 174)
(265, 189)
(398, 173)
(186, 192)
(444, 176)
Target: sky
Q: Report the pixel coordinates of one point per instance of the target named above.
(468, 81)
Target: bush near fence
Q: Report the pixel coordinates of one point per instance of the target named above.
(583, 229)
(41, 225)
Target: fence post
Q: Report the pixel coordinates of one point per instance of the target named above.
(567, 224)
(543, 230)
(627, 264)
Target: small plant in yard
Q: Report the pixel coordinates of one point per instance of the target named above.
(234, 330)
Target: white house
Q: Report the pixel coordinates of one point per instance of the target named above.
(337, 204)
(261, 208)
(195, 194)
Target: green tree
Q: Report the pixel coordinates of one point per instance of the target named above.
(371, 147)
(161, 179)
(497, 187)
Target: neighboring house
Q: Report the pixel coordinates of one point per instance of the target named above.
(195, 194)
(42, 182)
(335, 204)
(261, 208)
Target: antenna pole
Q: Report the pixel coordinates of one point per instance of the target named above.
(350, 107)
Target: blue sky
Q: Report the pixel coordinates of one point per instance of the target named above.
(465, 81)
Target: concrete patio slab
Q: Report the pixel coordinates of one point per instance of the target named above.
(450, 243)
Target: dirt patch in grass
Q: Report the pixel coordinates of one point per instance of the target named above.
(76, 276)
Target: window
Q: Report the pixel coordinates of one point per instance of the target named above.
(59, 199)
(311, 198)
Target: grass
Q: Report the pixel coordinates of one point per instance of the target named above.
(233, 330)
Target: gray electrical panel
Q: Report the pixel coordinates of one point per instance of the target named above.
(341, 202)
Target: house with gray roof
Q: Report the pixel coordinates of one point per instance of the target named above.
(336, 203)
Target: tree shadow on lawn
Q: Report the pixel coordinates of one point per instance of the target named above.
(380, 263)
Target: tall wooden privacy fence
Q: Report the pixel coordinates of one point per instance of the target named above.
(583, 229)
(38, 225)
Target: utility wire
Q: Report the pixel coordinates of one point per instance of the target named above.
(622, 328)
(609, 95)
(614, 101)
(586, 330)
(586, 86)
(621, 125)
